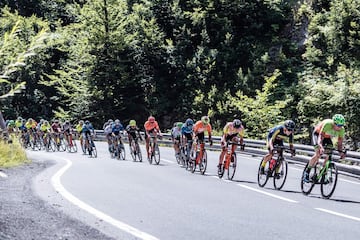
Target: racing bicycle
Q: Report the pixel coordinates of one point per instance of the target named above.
(229, 161)
(276, 168)
(325, 174)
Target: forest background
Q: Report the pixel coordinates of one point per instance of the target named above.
(263, 61)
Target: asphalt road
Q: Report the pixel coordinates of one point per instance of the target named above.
(132, 200)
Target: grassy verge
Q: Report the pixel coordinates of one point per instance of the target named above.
(12, 154)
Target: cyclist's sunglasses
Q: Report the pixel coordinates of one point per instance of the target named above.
(339, 125)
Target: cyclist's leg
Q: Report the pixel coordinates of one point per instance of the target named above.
(147, 141)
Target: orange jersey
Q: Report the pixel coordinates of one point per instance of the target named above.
(199, 127)
(150, 126)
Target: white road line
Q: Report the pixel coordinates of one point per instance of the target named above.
(339, 214)
(3, 175)
(168, 161)
(269, 194)
(122, 226)
(349, 181)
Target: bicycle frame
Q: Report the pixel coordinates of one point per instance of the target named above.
(325, 175)
(276, 167)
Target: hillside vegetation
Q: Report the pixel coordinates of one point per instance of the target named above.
(263, 61)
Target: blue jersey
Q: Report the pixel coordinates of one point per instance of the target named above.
(186, 129)
(277, 133)
(117, 128)
(87, 128)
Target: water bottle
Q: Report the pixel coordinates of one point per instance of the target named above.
(272, 163)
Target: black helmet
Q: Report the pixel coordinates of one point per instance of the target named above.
(290, 125)
(237, 123)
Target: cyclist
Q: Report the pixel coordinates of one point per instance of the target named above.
(30, 125)
(45, 129)
(56, 130)
(133, 132)
(322, 134)
(231, 132)
(87, 132)
(18, 124)
(151, 128)
(201, 127)
(276, 136)
(108, 132)
(66, 127)
(187, 134)
(10, 126)
(175, 136)
(116, 129)
(79, 128)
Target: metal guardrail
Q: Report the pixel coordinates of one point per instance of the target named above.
(351, 164)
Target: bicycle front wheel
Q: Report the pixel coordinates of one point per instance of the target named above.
(138, 152)
(122, 152)
(263, 177)
(307, 186)
(157, 154)
(232, 166)
(329, 180)
(280, 174)
(203, 163)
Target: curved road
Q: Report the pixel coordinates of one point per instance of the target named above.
(127, 200)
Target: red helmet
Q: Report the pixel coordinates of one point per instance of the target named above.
(151, 119)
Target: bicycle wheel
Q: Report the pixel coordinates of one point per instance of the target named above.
(73, 146)
(221, 168)
(280, 174)
(263, 178)
(133, 152)
(328, 181)
(203, 163)
(306, 187)
(157, 154)
(121, 151)
(232, 166)
(93, 151)
(138, 152)
(62, 146)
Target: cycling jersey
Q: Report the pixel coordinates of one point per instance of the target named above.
(277, 135)
(31, 125)
(45, 128)
(230, 130)
(132, 131)
(56, 127)
(66, 127)
(117, 128)
(199, 127)
(326, 129)
(18, 123)
(79, 128)
(150, 126)
(176, 132)
(108, 129)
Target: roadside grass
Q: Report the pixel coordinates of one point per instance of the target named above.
(12, 154)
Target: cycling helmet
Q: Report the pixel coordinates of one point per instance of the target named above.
(132, 123)
(11, 122)
(46, 123)
(19, 118)
(179, 124)
(110, 120)
(189, 122)
(151, 119)
(117, 121)
(56, 121)
(290, 125)
(339, 119)
(87, 122)
(205, 119)
(81, 122)
(237, 123)
(67, 122)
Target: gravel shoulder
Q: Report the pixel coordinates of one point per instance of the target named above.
(24, 216)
